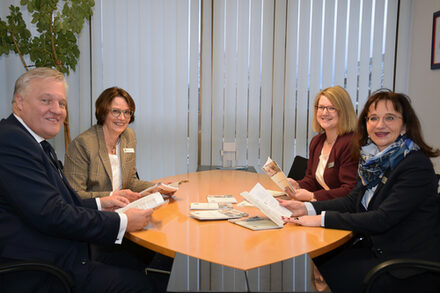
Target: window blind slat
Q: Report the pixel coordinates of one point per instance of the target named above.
(377, 61)
(278, 110)
(206, 83)
(254, 83)
(364, 71)
(242, 82)
(218, 81)
(303, 72)
(266, 82)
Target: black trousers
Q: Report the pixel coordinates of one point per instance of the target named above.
(135, 257)
(345, 268)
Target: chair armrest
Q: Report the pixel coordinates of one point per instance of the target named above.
(396, 264)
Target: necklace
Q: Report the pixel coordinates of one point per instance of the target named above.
(112, 149)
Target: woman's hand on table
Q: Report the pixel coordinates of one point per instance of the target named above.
(302, 195)
(297, 208)
(309, 221)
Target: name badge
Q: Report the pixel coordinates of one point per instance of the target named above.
(128, 150)
(331, 164)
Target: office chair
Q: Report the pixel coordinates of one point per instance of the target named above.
(298, 169)
(408, 268)
(20, 266)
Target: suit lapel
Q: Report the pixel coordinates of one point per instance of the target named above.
(103, 154)
(72, 193)
(379, 187)
(124, 171)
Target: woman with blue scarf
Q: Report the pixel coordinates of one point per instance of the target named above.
(394, 211)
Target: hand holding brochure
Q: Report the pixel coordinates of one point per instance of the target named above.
(272, 169)
(160, 187)
(263, 200)
(147, 202)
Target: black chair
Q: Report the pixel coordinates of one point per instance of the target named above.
(298, 169)
(400, 269)
(21, 266)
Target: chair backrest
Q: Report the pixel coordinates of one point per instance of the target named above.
(298, 169)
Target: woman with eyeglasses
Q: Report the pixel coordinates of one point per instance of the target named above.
(331, 171)
(394, 211)
(102, 160)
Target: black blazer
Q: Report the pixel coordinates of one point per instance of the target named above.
(41, 216)
(403, 216)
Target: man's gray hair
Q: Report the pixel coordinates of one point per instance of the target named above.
(39, 72)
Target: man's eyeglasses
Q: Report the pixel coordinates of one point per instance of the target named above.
(330, 109)
(387, 119)
(116, 113)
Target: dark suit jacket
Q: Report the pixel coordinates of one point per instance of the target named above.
(41, 216)
(87, 164)
(403, 216)
(340, 171)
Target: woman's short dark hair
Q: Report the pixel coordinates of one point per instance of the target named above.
(401, 104)
(104, 100)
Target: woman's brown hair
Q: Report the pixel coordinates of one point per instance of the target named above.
(105, 99)
(401, 104)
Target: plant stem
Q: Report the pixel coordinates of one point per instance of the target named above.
(18, 51)
(52, 41)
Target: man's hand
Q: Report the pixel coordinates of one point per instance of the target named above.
(110, 203)
(128, 194)
(309, 221)
(137, 219)
(297, 208)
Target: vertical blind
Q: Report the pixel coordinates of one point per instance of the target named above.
(263, 62)
(151, 48)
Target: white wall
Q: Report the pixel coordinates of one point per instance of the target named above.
(424, 83)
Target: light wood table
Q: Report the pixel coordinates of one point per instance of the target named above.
(173, 230)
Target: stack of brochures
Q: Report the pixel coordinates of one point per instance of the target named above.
(263, 200)
(218, 207)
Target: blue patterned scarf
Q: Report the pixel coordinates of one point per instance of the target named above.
(372, 165)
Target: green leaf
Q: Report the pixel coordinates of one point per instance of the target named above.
(66, 19)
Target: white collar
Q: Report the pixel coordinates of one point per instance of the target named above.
(34, 135)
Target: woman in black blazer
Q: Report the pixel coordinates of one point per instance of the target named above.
(393, 211)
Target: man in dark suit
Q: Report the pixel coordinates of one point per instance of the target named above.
(41, 216)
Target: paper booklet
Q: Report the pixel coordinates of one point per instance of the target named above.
(256, 223)
(147, 202)
(204, 206)
(263, 200)
(221, 198)
(218, 214)
(163, 188)
(275, 173)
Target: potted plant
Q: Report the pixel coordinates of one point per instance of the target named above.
(58, 24)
